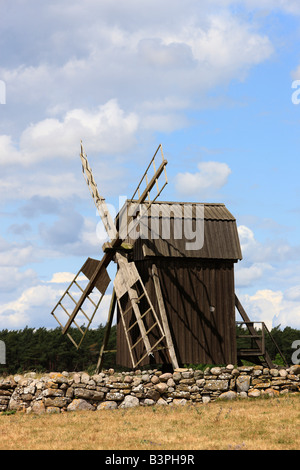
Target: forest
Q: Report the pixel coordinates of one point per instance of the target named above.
(44, 350)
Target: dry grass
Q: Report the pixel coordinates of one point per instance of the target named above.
(258, 424)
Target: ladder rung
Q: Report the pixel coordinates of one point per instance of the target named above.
(130, 308)
(88, 297)
(142, 316)
(148, 331)
(146, 354)
(71, 297)
(59, 303)
(73, 341)
(81, 309)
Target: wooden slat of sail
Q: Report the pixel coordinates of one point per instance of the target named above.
(102, 280)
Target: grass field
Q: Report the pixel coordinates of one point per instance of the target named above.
(249, 424)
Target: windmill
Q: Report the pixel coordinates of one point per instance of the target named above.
(86, 291)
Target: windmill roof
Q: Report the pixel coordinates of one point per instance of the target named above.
(183, 229)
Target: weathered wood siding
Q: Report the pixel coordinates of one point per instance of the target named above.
(190, 287)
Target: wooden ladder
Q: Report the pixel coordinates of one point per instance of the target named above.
(128, 281)
(64, 309)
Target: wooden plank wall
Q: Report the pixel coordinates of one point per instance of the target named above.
(190, 287)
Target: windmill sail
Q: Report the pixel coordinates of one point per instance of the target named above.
(127, 282)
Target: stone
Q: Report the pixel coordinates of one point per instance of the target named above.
(79, 404)
(161, 402)
(205, 399)
(170, 382)
(85, 378)
(30, 375)
(243, 383)
(178, 402)
(215, 370)
(200, 383)
(138, 389)
(283, 373)
(165, 377)
(153, 394)
(271, 392)
(38, 407)
(176, 376)
(187, 375)
(107, 405)
(60, 379)
(161, 387)
(115, 396)
(254, 393)
(97, 396)
(60, 402)
(148, 402)
(230, 395)
(155, 379)
(128, 379)
(214, 385)
(76, 378)
(52, 409)
(181, 394)
(83, 393)
(145, 378)
(129, 402)
(52, 392)
(295, 369)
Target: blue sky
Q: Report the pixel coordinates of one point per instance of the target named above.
(212, 81)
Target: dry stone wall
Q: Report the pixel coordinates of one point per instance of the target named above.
(63, 392)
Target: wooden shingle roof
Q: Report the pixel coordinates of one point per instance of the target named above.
(220, 240)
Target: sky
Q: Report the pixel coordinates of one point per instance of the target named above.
(216, 82)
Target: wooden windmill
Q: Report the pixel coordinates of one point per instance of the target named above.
(150, 327)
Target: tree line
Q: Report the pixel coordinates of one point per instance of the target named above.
(42, 349)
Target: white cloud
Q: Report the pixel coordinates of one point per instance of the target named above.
(211, 177)
(29, 308)
(246, 276)
(272, 307)
(274, 250)
(62, 277)
(11, 278)
(107, 129)
(34, 305)
(116, 56)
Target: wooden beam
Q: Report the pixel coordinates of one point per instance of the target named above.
(164, 318)
(107, 331)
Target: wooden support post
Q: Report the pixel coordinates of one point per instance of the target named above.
(107, 331)
(164, 318)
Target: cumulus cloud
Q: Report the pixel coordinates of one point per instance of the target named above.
(272, 307)
(11, 278)
(34, 305)
(191, 52)
(211, 177)
(274, 250)
(29, 308)
(108, 129)
(246, 276)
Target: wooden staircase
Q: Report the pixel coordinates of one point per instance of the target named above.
(256, 352)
